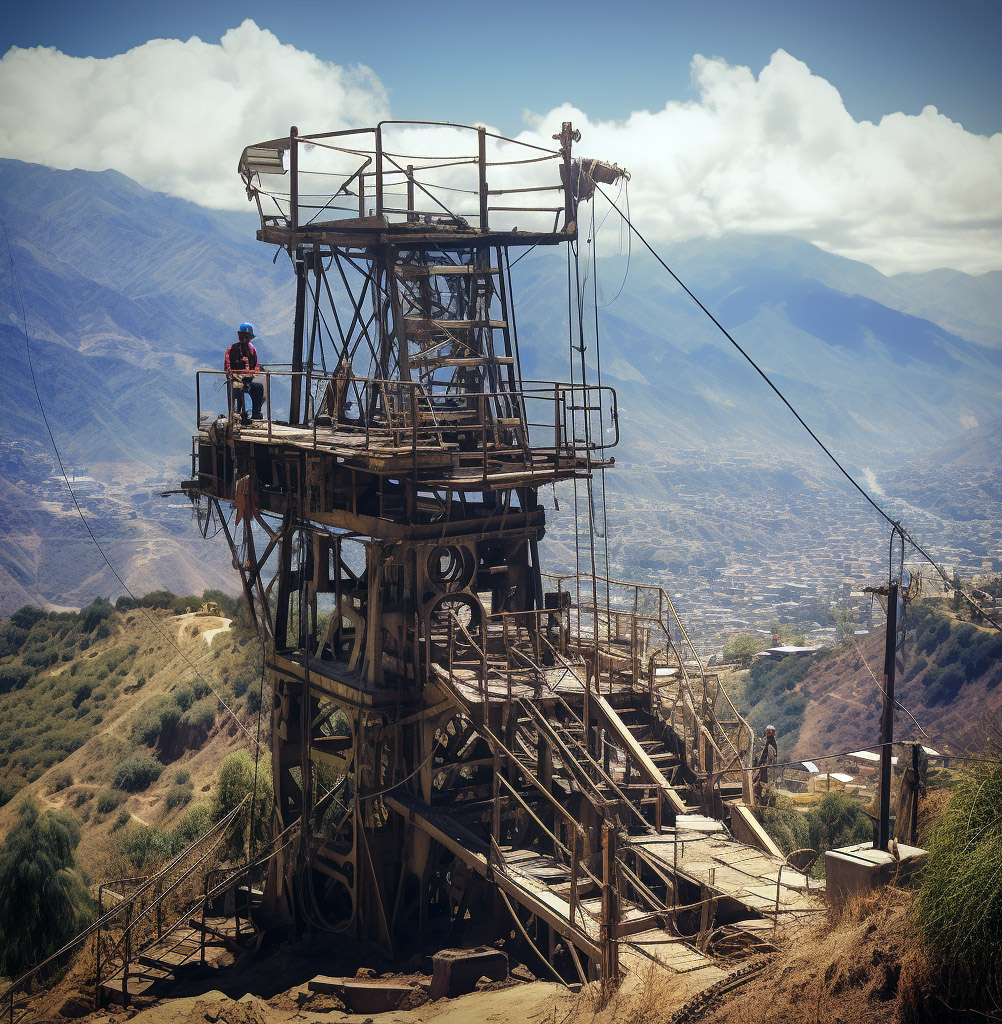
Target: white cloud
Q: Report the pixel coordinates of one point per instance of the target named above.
(780, 154)
(774, 154)
(175, 115)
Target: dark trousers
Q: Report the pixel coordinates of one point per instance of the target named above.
(256, 391)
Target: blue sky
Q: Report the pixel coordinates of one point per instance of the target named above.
(872, 129)
(489, 62)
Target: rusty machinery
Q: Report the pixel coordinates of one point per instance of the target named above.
(387, 536)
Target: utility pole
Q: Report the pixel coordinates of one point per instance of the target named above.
(887, 718)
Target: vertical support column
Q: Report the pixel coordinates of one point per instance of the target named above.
(482, 168)
(411, 216)
(565, 150)
(293, 179)
(610, 912)
(887, 719)
(299, 328)
(379, 170)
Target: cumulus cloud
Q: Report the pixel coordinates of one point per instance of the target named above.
(175, 115)
(780, 154)
(775, 154)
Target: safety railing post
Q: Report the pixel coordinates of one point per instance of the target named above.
(379, 171)
(97, 950)
(574, 877)
(293, 178)
(482, 169)
(127, 954)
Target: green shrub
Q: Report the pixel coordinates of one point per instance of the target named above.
(838, 819)
(164, 715)
(145, 846)
(157, 599)
(195, 821)
(81, 693)
(26, 617)
(254, 701)
(958, 907)
(237, 780)
(43, 900)
(109, 800)
(95, 614)
(121, 820)
(184, 697)
(240, 685)
(13, 677)
(62, 781)
(9, 788)
(81, 798)
(784, 823)
(178, 796)
(182, 777)
(137, 772)
(12, 639)
(201, 716)
(42, 658)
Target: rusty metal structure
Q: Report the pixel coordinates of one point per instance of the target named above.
(461, 740)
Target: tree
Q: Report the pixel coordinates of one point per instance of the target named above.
(743, 647)
(43, 900)
(236, 780)
(838, 820)
(845, 623)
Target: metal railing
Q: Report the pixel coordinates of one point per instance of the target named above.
(139, 914)
(542, 417)
(411, 174)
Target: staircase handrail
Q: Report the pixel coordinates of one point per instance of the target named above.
(127, 902)
(211, 838)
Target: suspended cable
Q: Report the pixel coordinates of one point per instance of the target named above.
(779, 394)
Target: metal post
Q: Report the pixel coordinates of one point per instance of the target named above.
(379, 171)
(574, 873)
(298, 330)
(293, 179)
(97, 955)
(482, 168)
(887, 719)
(411, 216)
(128, 953)
(610, 914)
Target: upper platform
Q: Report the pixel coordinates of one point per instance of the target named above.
(417, 184)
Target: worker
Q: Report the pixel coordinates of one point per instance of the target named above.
(769, 755)
(242, 356)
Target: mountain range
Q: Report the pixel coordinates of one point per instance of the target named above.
(126, 291)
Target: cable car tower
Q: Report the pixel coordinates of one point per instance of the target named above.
(455, 735)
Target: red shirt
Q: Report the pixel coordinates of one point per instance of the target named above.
(239, 357)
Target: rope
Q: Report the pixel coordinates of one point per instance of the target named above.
(817, 440)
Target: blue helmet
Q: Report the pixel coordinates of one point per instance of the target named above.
(246, 328)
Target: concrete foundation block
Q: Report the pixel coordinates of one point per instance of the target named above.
(457, 971)
(861, 868)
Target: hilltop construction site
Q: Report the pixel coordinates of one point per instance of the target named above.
(499, 793)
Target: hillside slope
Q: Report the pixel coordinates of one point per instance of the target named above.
(948, 677)
(80, 695)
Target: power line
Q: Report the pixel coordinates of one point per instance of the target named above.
(76, 504)
(779, 394)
